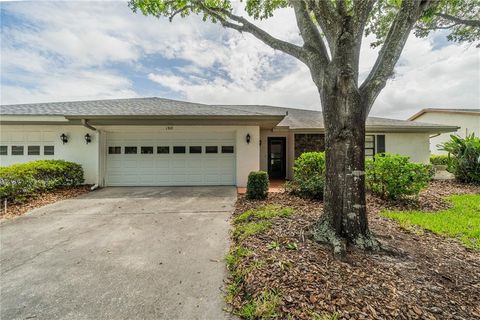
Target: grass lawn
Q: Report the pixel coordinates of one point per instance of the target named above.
(462, 221)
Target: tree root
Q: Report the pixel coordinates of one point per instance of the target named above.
(324, 233)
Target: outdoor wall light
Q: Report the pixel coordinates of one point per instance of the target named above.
(248, 137)
(88, 138)
(64, 138)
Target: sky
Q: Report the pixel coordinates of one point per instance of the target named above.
(84, 50)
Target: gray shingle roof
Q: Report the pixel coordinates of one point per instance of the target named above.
(293, 118)
(444, 110)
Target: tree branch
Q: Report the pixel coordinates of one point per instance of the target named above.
(243, 25)
(467, 22)
(309, 31)
(388, 56)
(328, 19)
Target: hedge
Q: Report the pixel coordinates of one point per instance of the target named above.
(257, 185)
(308, 176)
(20, 181)
(394, 176)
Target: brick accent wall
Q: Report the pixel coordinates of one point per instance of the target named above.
(306, 142)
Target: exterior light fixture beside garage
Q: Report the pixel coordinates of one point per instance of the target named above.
(64, 138)
(88, 138)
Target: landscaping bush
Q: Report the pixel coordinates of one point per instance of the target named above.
(257, 185)
(308, 176)
(20, 181)
(442, 160)
(394, 176)
(466, 157)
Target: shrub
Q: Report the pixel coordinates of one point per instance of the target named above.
(257, 185)
(466, 160)
(20, 181)
(394, 176)
(442, 160)
(308, 175)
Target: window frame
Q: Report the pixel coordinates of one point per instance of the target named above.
(17, 146)
(29, 151)
(125, 150)
(4, 147)
(373, 148)
(224, 150)
(195, 152)
(209, 152)
(48, 154)
(114, 148)
(175, 148)
(142, 148)
(160, 148)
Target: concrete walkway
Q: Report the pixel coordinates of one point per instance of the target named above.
(119, 253)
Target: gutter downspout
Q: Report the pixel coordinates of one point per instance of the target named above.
(87, 125)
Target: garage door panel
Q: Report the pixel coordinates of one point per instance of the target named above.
(164, 169)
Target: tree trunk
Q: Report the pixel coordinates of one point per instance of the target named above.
(345, 216)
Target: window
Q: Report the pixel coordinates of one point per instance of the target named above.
(227, 149)
(211, 149)
(17, 150)
(114, 150)
(381, 143)
(195, 149)
(48, 150)
(163, 149)
(130, 150)
(178, 149)
(146, 150)
(369, 146)
(33, 150)
(3, 150)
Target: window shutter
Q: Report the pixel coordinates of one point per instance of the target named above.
(380, 143)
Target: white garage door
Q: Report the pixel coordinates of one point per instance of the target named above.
(170, 159)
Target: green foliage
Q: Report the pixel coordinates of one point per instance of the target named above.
(440, 16)
(394, 176)
(462, 221)
(459, 17)
(265, 306)
(274, 245)
(267, 212)
(308, 176)
(292, 246)
(466, 160)
(20, 181)
(246, 230)
(442, 160)
(235, 255)
(257, 185)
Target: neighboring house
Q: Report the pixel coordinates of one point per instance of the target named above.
(468, 121)
(161, 142)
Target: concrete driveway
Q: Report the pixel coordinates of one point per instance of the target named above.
(119, 253)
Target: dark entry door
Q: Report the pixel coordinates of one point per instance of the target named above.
(277, 157)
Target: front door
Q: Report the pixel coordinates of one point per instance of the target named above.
(277, 160)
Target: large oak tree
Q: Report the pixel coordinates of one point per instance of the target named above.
(332, 32)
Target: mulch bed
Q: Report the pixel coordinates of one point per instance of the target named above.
(42, 199)
(424, 277)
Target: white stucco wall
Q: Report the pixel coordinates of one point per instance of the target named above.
(75, 149)
(414, 145)
(92, 156)
(468, 124)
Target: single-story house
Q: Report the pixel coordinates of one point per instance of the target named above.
(162, 142)
(467, 121)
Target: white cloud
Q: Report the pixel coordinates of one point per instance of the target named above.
(71, 50)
